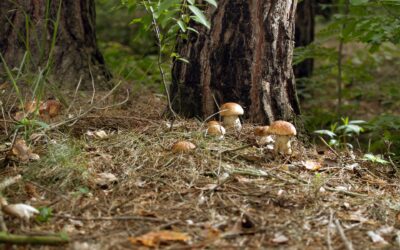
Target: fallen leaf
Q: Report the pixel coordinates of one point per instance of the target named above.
(355, 217)
(279, 238)
(311, 165)
(101, 134)
(376, 238)
(23, 152)
(19, 115)
(105, 179)
(30, 106)
(4, 85)
(51, 108)
(153, 239)
(31, 190)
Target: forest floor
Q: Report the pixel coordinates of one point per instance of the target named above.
(227, 194)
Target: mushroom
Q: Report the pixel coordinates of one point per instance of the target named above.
(262, 135)
(182, 147)
(230, 112)
(283, 131)
(21, 211)
(214, 128)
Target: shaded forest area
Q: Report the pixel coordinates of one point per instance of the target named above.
(203, 124)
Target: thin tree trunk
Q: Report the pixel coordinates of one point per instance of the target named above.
(30, 26)
(246, 58)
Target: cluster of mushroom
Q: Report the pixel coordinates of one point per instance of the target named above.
(282, 131)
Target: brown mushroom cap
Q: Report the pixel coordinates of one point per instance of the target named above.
(282, 128)
(230, 109)
(261, 131)
(216, 130)
(182, 146)
(213, 123)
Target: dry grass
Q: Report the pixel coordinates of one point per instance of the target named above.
(222, 197)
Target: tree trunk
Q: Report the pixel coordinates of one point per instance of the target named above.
(304, 35)
(30, 26)
(246, 57)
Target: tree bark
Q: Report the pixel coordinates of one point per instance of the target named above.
(246, 57)
(30, 26)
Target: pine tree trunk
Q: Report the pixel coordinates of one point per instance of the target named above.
(246, 57)
(31, 25)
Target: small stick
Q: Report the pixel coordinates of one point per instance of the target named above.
(76, 92)
(34, 240)
(328, 235)
(9, 181)
(347, 243)
(330, 148)
(328, 186)
(237, 149)
(112, 218)
(48, 190)
(3, 225)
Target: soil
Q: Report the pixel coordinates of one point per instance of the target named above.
(226, 194)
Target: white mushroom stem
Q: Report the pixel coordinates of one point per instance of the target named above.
(282, 144)
(264, 140)
(232, 122)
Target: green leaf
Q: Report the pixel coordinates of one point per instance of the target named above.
(45, 213)
(191, 2)
(192, 29)
(350, 128)
(357, 122)
(136, 20)
(199, 16)
(374, 158)
(182, 25)
(183, 60)
(358, 2)
(325, 132)
(212, 2)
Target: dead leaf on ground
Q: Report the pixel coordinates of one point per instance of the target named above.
(376, 238)
(19, 115)
(153, 239)
(50, 108)
(23, 152)
(4, 85)
(105, 179)
(356, 217)
(311, 165)
(280, 238)
(30, 106)
(100, 134)
(31, 191)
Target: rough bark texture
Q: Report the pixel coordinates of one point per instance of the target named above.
(304, 35)
(30, 26)
(246, 57)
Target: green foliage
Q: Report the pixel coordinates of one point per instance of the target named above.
(374, 158)
(129, 46)
(370, 33)
(340, 134)
(45, 213)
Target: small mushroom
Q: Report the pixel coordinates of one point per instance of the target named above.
(230, 112)
(182, 147)
(283, 131)
(214, 128)
(21, 211)
(262, 135)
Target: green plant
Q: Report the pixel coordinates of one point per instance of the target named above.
(340, 134)
(374, 158)
(45, 213)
